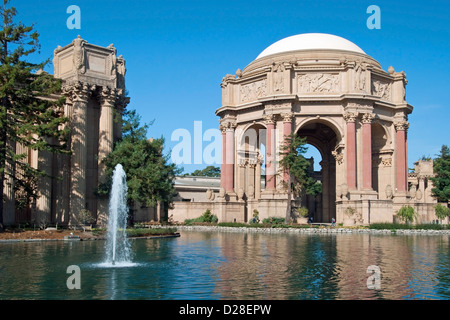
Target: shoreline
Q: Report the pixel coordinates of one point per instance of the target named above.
(202, 228)
(324, 230)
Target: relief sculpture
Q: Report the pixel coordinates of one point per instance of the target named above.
(254, 90)
(381, 89)
(318, 82)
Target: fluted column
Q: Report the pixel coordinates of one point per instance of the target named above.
(9, 207)
(402, 168)
(367, 150)
(230, 154)
(258, 178)
(270, 152)
(106, 138)
(287, 130)
(223, 155)
(106, 129)
(350, 118)
(80, 96)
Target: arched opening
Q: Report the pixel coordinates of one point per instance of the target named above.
(323, 138)
(251, 161)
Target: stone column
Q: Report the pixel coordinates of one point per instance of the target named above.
(287, 130)
(106, 129)
(367, 150)
(9, 204)
(350, 118)
(80, 96)
(229, 160)
(223, 155)
(258, 178)
(401, 165)
(251, 180)
(105, 145)
(241, 175)
(270, 152)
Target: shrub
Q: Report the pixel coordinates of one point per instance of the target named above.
(273, 220)
(406, 214)
(206, 217)
(441, 211)
(303, 212)
(255, 218)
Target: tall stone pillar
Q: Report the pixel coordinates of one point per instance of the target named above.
(350, 118)
(367, 151)
(105, 145)
(80, 97)
(401, 165)
(258, 178)
(229, 161)
(223, 155)
(270, 152)
(287, 130)
(251, 179)
(9, 206)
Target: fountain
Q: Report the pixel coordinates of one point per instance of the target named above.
(118, 251)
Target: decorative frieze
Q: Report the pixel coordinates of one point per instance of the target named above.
(381, 89)
(253, 91)
(318, 83)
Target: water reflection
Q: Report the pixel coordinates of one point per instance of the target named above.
(201, 265)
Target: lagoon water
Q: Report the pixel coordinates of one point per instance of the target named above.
(244, 266)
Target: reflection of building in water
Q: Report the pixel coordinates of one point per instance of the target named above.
(329, 91)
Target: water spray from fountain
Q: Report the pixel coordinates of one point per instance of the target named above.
(118, 251)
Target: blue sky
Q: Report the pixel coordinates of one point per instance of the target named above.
(177, 52)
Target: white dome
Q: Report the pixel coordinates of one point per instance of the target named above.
(311, 41)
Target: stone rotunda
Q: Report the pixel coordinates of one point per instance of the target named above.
(328, 90)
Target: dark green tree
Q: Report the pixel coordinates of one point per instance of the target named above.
(209, 171)
(294, 162)
(30, 115)
(441, 180)
(150, 176)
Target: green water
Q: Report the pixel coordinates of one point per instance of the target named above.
(203, 265)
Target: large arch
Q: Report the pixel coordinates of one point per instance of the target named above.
(324, 136)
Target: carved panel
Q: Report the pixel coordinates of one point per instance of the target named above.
(381, 89)
(318, 83)
(253, 91)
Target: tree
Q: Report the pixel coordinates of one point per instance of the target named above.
(150, 177)
(441, 180)
(294, 162)
(30, 115)
(209, 171)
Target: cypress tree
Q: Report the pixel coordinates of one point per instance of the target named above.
(31, 113)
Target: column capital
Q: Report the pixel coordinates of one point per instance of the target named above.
(350, 116)
(269, 119)
(287, 117)
(367, 118)
(107, 96)
(401, 125)
(78, 91)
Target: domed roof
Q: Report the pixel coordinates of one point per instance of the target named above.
(310, 41)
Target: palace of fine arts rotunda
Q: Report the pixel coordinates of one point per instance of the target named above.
(320, 87)
(325, 89)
